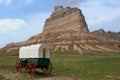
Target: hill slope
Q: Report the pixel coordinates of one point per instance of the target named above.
(114, 35)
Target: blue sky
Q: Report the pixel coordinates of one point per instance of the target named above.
(20, 19)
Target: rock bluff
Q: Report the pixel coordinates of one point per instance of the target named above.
(66, 29)
(63, 19)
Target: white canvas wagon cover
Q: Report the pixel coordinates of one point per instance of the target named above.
(35, 51)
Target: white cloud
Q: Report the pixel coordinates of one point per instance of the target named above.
(8, 24)
(35, 24)
(100, 14)
(5, 2)
(113, 2)
(16, 2)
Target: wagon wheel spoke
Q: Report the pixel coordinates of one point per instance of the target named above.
(26, 69)
(30, 68)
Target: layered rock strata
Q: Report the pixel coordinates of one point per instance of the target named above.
(66, 29)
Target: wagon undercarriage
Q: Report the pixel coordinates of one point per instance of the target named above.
(31, 68)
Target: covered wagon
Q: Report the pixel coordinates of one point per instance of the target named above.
(34, 57)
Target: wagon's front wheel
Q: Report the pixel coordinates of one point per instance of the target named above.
(48, 69)
(30, 68)
(18, 66)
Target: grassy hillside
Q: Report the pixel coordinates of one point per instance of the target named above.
(69, 64)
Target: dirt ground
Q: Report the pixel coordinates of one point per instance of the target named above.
(18, 76)
(56, 78)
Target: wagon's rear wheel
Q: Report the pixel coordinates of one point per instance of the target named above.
(47, 70)
(30, 67)
(18, 66)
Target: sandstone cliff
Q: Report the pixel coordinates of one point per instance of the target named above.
(66, 29)
(63, 19)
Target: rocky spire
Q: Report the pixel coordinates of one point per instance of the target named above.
(64, 19)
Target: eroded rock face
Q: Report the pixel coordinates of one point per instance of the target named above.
(100, 31)
(66, 29)
(63, 19)
(114, 35)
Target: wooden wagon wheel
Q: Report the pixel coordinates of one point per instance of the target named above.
(30, 67)
(47, 70)
(18, 66)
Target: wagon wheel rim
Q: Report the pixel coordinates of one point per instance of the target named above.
(48, 70)
(18, 66)
(30, 68)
